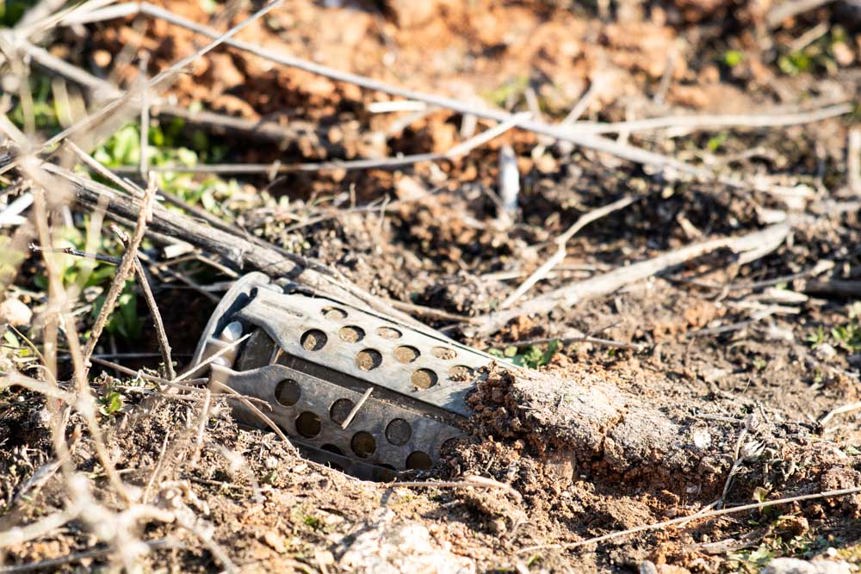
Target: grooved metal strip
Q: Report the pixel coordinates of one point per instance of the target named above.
(314, 409)
(322, 365)
(367, 347)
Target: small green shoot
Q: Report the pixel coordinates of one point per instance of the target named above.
(848, 336)
(312, 521)
(794, 63)
(508, 93)
(732, 58)
(111, 403)
(817, 338)
(716, 142)
(531, 356)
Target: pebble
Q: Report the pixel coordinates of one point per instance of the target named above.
(796, 566)
(14, 312)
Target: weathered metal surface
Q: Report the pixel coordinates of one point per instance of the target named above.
(357, 390)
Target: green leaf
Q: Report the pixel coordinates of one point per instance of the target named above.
(111, 403)
(733, 58)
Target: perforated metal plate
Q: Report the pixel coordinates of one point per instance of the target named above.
(360, 391)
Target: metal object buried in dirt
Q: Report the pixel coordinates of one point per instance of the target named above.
(314, 359)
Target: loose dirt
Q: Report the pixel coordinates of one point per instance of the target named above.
(725, 371)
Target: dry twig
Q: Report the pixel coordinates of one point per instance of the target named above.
(749, 247)
(561, 243)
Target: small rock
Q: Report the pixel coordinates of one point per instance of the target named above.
(842, 53)
(102, 58)
(275, 542)
(702, 439)
(825, 352)
(14, 312)
(796, 566)
(389, 547)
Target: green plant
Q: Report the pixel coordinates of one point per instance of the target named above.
(111, 402)
(716, 142)
(123, 149)
(732, 58)
(12, 10)
(848, 336)
(817, 337)
(312, 521)
(531, 356)
(794, 63)
(507, 93)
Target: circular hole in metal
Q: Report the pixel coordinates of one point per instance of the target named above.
(389, 333)
(406, 354)
(287, 392)
(340, 410)
(334, 313)
(369, 359)
(363, 444)
(308, 424)
(460, 373)
(423, 378)
(332, 448)
(444, 353)
(313, 340)
(419, 460)
(351, 334)
(398, 432)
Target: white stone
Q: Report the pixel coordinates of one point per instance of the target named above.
(14, 312)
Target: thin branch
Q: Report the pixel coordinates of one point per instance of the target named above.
(469, 481)
(561, 243)
(565, 133)
(53, 563)
(242, 252)
(20, 534)
(158, 323)
(217, 386)
(579, 338)
(684, 520)
(77, 253)
(609, 282)
(717, 121)
(841, 410)
(790, 8)
(124, 271)
(357, 407)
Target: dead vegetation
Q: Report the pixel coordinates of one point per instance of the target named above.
(650, 208)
